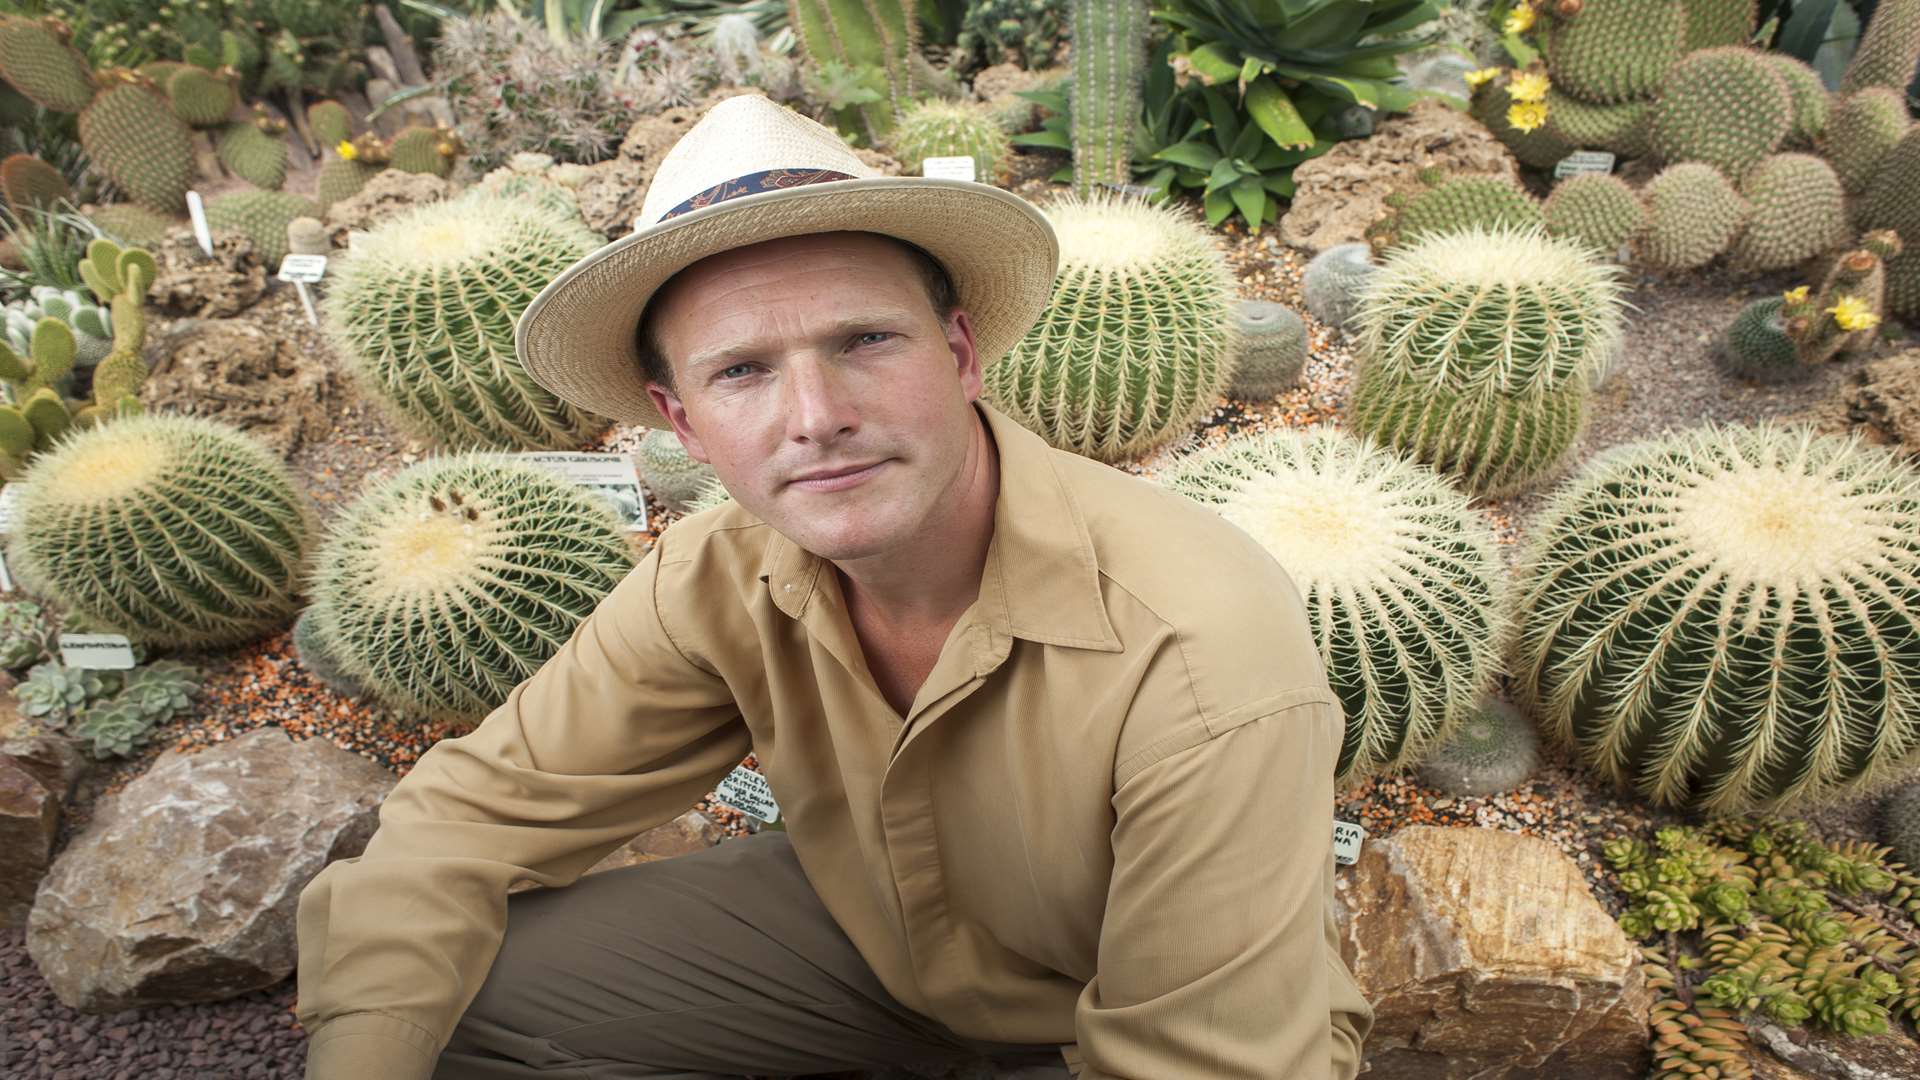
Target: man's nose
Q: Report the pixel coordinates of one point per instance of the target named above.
(819, 407)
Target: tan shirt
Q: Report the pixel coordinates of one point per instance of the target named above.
(1104, 823)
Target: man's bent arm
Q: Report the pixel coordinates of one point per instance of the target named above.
(618, 732)
(1217, 952)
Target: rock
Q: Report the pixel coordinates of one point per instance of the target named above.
(184, 886)
(57, 761)
(1485, 955)
(1338, 194)
(684, 835)
(29, 823)
(1880, 402)
(191, 282)
(238, 373)
(389, 192)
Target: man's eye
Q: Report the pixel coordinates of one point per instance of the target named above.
(874, 337)
(736, 371)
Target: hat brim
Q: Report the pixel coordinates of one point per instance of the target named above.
(577, 337)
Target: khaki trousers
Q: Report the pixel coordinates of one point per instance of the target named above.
(719, 964)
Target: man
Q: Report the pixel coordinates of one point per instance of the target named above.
(1054, 748)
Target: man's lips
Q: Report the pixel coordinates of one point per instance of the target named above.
(835, 479)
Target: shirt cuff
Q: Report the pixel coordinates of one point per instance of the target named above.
(361, 1045)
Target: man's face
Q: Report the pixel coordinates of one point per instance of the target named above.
(815, 377)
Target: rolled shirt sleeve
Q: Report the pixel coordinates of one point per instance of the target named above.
(620, 731)
(1218, 954)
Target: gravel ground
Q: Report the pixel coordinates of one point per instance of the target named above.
(1665, 381)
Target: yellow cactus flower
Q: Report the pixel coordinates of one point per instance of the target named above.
(1480, 78)
(347, 150)
(1852, 313)
(1795, 296)
(1519, 20)
(1528, 86)
(1526, 115)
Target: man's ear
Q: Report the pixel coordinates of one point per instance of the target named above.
(670, 407)
(966, 359)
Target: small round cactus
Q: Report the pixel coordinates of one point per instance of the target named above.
(1399, 574)
(1797, 210)
(1452, 205)
(936, 128)
(169, 529)
(424, 309)
(1493, 750)
(1134, 343)
(1273, 353)
(446, 585)
(670, 474)
(1726, 107)
(1900, 823)
(1728, 618)
(1333, 281)
(1597, 209)
(1693, 214)
(1757, 346)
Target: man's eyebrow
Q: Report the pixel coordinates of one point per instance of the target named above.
(735, 351)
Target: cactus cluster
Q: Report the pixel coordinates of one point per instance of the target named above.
(1399, 574)
(1136, 338)
(1597, 209)
(938, 128)
(1796, 209)
(167, 529)
(260, 216)
(1478, 350)
(444, 586)
(424, 309)
(1726, 618)
(669, 473)
(1494, 749)
(1273, 350)
(1333, 281)
(1693, 214)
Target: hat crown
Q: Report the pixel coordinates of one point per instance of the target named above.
(744, 136)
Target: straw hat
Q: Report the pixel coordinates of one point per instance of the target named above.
(753, 170)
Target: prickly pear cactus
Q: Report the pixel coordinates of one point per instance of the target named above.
(1725, 107)
(132, 134)
(1726, 618)
(1612, 51)
(449, 583)
(1863, 129)
(37, 59)
(1399, 574)
(255, 150)
(1888, 50)
(261, 217)
(1693, 215)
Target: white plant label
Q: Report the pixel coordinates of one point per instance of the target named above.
(6, 579)
(1346, 842)
(106, 652)
(748, 792)
(610, 476)
(299, 268)
(306, 301)
(198, 212)
(1581, 162)
(9, 507)
(948, 168)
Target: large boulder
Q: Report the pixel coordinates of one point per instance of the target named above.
(184, 886)
(37, 773)
(1338, 194)
(1485, 956)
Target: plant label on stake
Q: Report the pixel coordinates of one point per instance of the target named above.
(1581, 162)
(948, 168)
(102, 652)
(9, 507)
(198, 212)
(748, 792)
(610, 476)
(301, 269)
(1346, 842)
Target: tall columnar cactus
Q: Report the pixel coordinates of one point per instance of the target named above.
(170, 529)
(864, 36)
(1478, 349)
(953, 129)
(36, 58)
(1597, 209)
(1863, 129)
(1445, 206)
(670, 474)
(425, 310)
(1693, 215)
(447, 584)
(1333, 282)
(1135, 340)
(1797, 210)
(1726, 107)
(1109, 61)
(260, 216)
(1273, 352)
(1726, 618)
(1613, 51)
(132, 134)
(1888, 50)
(1399, 574)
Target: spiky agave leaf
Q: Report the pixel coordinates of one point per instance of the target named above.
(1399, 574)
(447, 584)
(1729, 617)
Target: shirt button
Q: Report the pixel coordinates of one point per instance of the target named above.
(787, 587)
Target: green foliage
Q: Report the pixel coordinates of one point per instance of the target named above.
(1334, 280)
(1451, 206)
(873, 39)
(1478, 350)
(449, 583)
(1616, 51)
(1399, 574)
(260, 216)
(424, 311)
(255, 150)
(151, 696)
(1727, 107)
(1273, 350)
(1888, 50)
(132, 134)
(1597, 209)
(1758, 347)
(1863, 129)
(669, 473)
(1024, 32)
(952, 129)
(1103, 98)
(37, 60)
(1797, 210)
(1693, 214)
(25, 637)
(169, 529)
(53, 694)
(1494, 749)
(1723, 618)
(1136, 337)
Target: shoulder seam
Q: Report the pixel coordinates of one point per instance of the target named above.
(1187, 738)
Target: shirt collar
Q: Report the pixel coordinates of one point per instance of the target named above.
(1041, 581)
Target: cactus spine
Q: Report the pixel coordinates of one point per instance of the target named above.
(669, 472)
(1725, 618)
(1399, 574)
(1109, 61)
